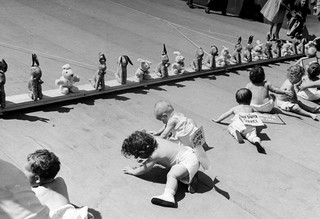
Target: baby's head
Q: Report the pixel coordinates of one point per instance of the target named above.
(243, 96)
(139, 144)
(314, 71)
(42, 167)
(257, 75)
(163, 111)
(295, 73)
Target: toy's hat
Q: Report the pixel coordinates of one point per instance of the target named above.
(239, 40)
(164, 51)
(35, 61)
(250, 39)
(200, 52)
(102, 57)
(3, 65)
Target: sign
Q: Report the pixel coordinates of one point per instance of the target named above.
(271, 118)
(252, 119)
(198, 141)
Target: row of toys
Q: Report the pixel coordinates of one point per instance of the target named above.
(213, 60)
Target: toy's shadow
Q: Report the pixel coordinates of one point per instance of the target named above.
(23, 116)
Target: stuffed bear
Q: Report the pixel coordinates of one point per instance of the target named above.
(197, 62)
(142, 72)
(178, 65)
(67, 80)
(162, 67)
(224, 58)
(97, 81)
(211, 58)
(257, 53)
(3, 69)
(34, 84)
(286, 49)
(121, 73)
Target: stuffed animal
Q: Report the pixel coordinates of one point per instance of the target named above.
(268, 47)
(277, 50)
(197, 62)
(316, 42)
(162, 68)
(67, 80)
(178, 65)
(142, 72)
(3, 69)
(121, 73)
(257, 53)
(236, 55)
(224, 58)
(247, 56)
(302, 46)
(34, 84)
(286, 49)
(211, 58)
(98, 79)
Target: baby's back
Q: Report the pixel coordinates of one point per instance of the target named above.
(243, 109)
(260, 93)
(167, 152)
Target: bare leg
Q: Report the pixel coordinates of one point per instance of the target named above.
(309, 108)
(176, 172)
(278, 27)
(303, 112)
(236, 134)
(271, 28)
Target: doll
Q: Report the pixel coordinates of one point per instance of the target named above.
(162, 67)
(211, 58)
(224, 59)
(34, 85)
(248, 52)
(268, 47)
(236, 55)
(277, 50)
(98, 79)
(197, 62)
(3, 69)
(121, 74)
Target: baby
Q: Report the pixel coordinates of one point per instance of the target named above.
(182, 162)
(177, 127)
(310, 86)
(237, 128)
(262, 101)
(292, 104)
(41, 169)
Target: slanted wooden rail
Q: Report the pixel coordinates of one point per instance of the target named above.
(23, 101)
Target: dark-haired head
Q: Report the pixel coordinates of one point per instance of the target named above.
(44, 163)
(139, 145)
(243, 96)
(257, 75)
(314, 71)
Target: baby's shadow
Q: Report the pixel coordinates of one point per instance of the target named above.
(158, 174)
(206, 147)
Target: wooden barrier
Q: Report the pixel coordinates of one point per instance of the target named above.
(23, 101)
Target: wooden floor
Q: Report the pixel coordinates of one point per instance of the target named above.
(87, 135)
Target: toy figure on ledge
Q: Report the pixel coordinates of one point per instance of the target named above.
(236, 55)
(211, 58)
(224, 58)
(34, 84)
(197, 62)
(142, 72)
(286, 49)
(98, 79)
(3, 69)
(67, 80)
(162, 67)
(302, 46)
(257, 53)
(277, 50)
(121, 74)
(248, 52)
(178, 65)
(268, 47)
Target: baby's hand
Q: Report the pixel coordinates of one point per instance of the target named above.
(289, 94)
(153, 133)
(128, 170)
